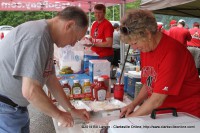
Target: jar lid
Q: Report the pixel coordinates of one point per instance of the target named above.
(86, 80)
(96, 77)
(65, 81)
(76, 81)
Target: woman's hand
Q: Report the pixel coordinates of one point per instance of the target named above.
(127, 110)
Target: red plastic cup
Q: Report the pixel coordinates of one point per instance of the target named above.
(119, 91)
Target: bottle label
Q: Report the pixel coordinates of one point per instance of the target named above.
(67, 91)
(76, 90)
(101, 94)
(87, 89)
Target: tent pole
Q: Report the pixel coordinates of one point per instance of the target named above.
(122, 45)
(89, 14)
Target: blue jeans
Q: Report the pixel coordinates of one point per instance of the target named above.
(13, 119)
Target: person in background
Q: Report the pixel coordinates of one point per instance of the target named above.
(27, 65)
(159, 26)
(1, 35)
(168, 81)
(180, 33)
(194, 44)
(172, 23)
(102, 34)
(116, 47)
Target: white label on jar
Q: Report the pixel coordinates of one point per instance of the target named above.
(76, 90)
(87, 89)
(101, 95)
(67, 91)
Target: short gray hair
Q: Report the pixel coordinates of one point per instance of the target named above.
(76, 14)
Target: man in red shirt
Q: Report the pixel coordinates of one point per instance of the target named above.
(172, 23)
(102, 34)
(194, 44)
(180, 33)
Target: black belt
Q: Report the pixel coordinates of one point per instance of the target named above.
(194, 46)
(7, 101)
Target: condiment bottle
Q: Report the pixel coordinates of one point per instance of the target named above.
(86, 89)
(100, 90)
(107, 83)
(95, 81)
(66, 87)
(76, 88)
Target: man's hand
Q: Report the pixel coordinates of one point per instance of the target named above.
(88, 45)
(81, 113)
(65, 119)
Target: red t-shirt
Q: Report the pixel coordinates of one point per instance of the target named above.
(181, 34)
(99, 33)
(195, 33)
(170, 69)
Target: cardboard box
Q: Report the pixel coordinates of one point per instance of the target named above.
(98, 68)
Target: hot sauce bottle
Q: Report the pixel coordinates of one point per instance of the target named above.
(66, 87)
(100, 90)
(86, 89)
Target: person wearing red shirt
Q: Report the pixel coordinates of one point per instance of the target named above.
(172, 23)
(102, 34)
(180, 33)
(166, 83)
(194, 44)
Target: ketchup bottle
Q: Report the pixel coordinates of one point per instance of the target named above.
(66, 87)
(92, 86)
(100, 90)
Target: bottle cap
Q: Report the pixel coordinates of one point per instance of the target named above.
(105, 76)
(96, 77)
(86, 80)
(65, 81)
(76, 81)
(100, 79)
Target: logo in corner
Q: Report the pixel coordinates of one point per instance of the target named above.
(165, 88)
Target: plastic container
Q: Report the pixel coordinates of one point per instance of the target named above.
(133, 77)
(119, 91)
(125, 82)
(138, 86)
(137, 69)
(107, 82)
(100, 90)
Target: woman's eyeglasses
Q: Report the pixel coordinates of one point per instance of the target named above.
(125, 30)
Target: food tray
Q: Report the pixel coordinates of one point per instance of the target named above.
(107, 105)
(80, 105)
(77, 104)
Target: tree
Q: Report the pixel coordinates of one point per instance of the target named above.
(15, 18)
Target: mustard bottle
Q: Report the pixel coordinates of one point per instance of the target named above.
(87, 90)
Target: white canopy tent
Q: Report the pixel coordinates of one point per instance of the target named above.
(187, 8)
